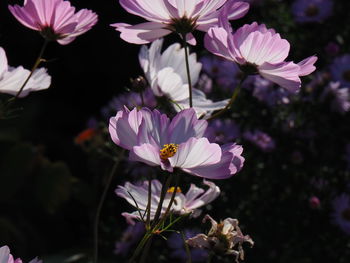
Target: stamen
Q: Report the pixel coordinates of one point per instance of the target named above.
(172, 189)
(168, 151)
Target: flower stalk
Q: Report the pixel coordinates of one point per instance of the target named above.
(188, 70)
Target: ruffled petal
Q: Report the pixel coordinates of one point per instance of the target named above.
(146, 153)
(307, 66)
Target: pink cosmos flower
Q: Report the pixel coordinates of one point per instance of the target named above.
(6, 257)
(184, 203)
(258, 50)
(12, 79)
(181, 16)
(153, 139)
(56, 20)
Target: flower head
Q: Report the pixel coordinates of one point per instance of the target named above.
(341, 215)
(183, 203)
(6, 257)
(154, 139)
(56, 20)
(260, 139)
(312, 10)
(340, 69)
(180, 16)
(166, 74)
(223, 238)
(12, 79)
(258, 50)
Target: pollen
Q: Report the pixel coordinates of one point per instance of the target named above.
(172, 189)
(168, 151)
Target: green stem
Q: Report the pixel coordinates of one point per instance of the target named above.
(233, 98)
(36, 64)
(100, 204)
(146, 250)
(188, 70)
(188, 251)
(140, 246)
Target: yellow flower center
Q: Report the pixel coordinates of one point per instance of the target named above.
(172, 189)
(168, 151)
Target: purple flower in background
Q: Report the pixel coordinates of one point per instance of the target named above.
(340, 97)
(260, 139)
(341, 214)
(56, 20)
(223, 130)
(258, 50)
(178, 251)
(340, 69)
(130, 237)
(184, 203)
(181, 16)
(6, 257)
(332, 49)
(312, 10)
(130, 100)
(154, 139)
(265, 91)
(225, 73)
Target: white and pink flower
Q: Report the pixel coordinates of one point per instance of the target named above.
(258, 50)
(6, 257)
(183, 203)
(56, 20)
(181, 16)
(154, 139)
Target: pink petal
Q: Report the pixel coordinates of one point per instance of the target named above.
(146, 153)
(285, 74)
(185, 125)
(236, 9)
(307, 66)
(141, 33)
(210, 195)
(196, 153)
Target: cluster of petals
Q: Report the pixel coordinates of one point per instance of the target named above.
(6, 257)
(183, 203)
(258, 50)
(225, 237)
(166, 75)
(182, 16)
(55, 19)
(147, 134)
(12, 79)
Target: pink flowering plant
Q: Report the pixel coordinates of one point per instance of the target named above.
(216, 125)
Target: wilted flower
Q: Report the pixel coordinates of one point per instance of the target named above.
(223, 238)
(178, 251)
(258, 50)
(340, 97)
(6, 257)
(341, 214)
(260, 139)
(56, 20)
(130, 237)
(166, 74)
(312, 10)
(180, 16)
(12, 79)
(340, 69)
(183, 203)
(153, 139)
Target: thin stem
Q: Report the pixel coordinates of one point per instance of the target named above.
(140, 246)
(188, 70)
(36, 64)
(100, 204)
(233, 98)
(188, 251)
(146, 250)
(161, 199)
(149, 207)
